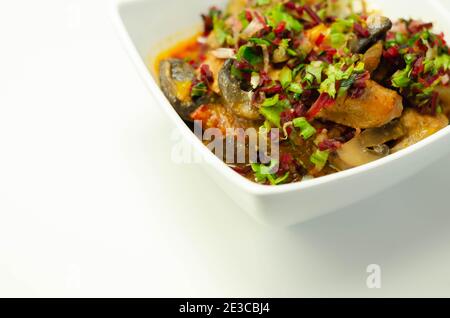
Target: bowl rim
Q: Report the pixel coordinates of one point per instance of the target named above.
(209, 158)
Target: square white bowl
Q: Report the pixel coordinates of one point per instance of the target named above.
(146, 27)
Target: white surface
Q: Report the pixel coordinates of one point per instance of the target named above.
(279, 206)
(91, 205)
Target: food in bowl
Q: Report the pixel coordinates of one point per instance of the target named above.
(342, 86)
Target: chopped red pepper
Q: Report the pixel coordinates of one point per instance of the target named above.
(329, 144)
(320, 39)
(361, 31)
(312, 14)
(322, 102)
(419, 67)
(391, 53)
(279, 30)
(248, 15)
(206, 75)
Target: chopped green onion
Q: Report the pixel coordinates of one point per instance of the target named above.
(296, 88)
(279, 180)
(262, 2)
(307, 130)
(259, 41)
(401, 78)
(264, 173)
(277, 14)
(315, 69)
(320, 158)
(199, 90)
(249, 54)
(269, 102)
(286, 77)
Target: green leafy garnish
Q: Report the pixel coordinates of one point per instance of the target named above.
(268, 102)
(286, 77)
(277, 14)
(199, 90)
(259, 41)
(264, 173)
(249, 54)
(273, 108)
(320, 158)
(307, 130)
(315, 69)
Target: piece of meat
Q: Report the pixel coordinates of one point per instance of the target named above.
(219, 116)
(372, 57)
(419, 127)
(376, 107)
(444, 99)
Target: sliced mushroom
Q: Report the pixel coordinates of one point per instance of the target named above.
(372, 57)
(176, 77)
(377, 26)
(376, 107)
(367, 146)
(238, 100)
(419, 127)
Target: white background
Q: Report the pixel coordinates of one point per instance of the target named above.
(91, 204)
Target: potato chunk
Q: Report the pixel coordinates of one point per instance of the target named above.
(376, 107)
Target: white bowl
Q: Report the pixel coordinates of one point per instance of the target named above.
(146, 27)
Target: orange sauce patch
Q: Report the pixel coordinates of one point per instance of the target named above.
(187, 49)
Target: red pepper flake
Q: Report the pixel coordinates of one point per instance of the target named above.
(417, 26)
(312, 14)
(418, 67)
(422, 47)
(248, 15)
(279, 30)
(322, 102)
(287, 116)
(441, 37)
(208, 24)
(328, 55)
(390, 36)
(360, 30)
(434, 102)
(260, 18)
(300, 10)
(320, 39)
(206, 75)
(299, 110)
(329, 144)
(290, 5)
(272, 90)
(286, 161)
(392, 52)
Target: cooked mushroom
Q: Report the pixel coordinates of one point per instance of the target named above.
(368, 146)
(377, 26)
(238, 100)
(374, 108)
(372, 57)
(176, 77)
(419, 127)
